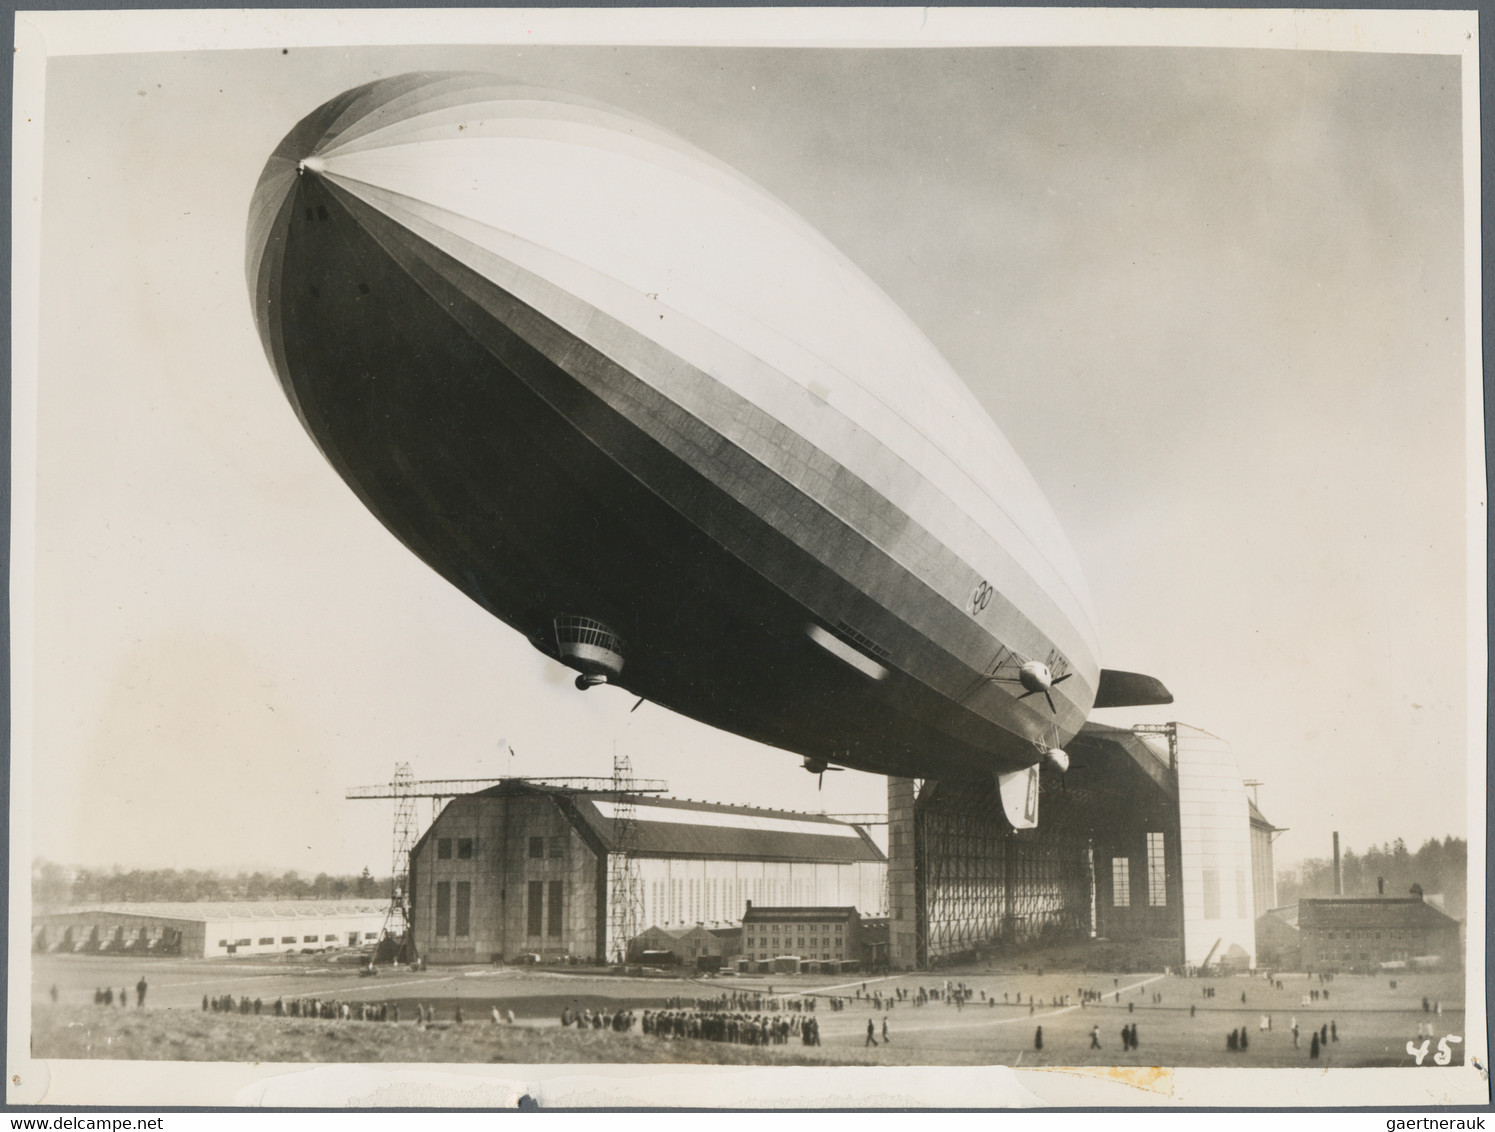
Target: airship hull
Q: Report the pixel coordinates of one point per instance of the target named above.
(556, 440)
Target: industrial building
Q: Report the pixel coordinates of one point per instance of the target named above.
(525, 869)
(1362, 933)
(206, 930)
(816, 935)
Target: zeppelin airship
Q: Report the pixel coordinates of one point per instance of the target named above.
(639, 410)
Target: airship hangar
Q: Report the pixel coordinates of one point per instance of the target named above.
(1150, 853)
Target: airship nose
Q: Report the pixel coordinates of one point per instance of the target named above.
(310, 165)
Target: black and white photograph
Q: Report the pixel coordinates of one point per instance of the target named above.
(568, 554)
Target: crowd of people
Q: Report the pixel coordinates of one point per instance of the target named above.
(336, 1010)
(750, 1002)
(734, 1026)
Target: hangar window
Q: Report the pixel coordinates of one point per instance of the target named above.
(370, 935)
(537, 848)
(557, 907)
(287, 939)
(536, 907)
(557, 848)
(464, 848)
(1121, 883)
(1211, 878)
(223, 943)
(443, 848)
(266, 941)
(443, 906)
(329, 938)
(241, 943)
(464, 907)
(1157, 881)
(308, 939)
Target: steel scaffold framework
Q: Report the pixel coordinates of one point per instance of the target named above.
(623, 895)
(397, 918)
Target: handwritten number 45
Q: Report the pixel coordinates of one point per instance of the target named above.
(1444, 1054)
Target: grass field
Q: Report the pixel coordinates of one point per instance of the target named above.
(1373, 1021)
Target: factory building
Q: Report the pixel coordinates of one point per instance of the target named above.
(523, 869)
(819, 935)
(207, 930)
(1361, 933)
(1148, 850)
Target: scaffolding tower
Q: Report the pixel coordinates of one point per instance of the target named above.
(624, 898)
(397, 917)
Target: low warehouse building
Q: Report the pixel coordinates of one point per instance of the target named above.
(693, 947)
(1359, 933)
(205, 930)
(523, 869)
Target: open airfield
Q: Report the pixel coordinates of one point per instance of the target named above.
(1373, 1021)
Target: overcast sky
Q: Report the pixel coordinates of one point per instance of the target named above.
(1214, 299)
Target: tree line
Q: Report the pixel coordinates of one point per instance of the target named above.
(1437, 867)
(53, 884)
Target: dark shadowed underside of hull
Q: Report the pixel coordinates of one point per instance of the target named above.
(395, 371)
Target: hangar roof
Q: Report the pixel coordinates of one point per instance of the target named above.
(669, 827)
(1375, 911)
(676, 827)
(756, 913)
(1257, 818)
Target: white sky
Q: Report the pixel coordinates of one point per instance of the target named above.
(1214, 298)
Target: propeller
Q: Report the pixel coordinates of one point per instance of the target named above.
(1037, 676)
(1050, 752)
(818, 767)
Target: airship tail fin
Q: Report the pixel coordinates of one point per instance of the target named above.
(1130, 689)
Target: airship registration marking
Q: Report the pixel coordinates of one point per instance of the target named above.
(980, 598)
